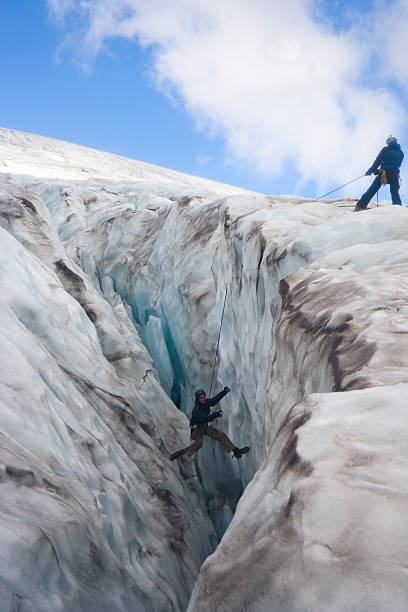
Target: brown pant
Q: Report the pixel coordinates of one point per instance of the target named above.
(206, 430)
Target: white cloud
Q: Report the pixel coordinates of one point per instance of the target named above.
(60, 8)
(390, 31)
(280, 87)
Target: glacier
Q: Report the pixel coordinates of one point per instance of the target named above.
(114, 276)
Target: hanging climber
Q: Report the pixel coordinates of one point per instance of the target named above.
(389, 160)
(200, 418)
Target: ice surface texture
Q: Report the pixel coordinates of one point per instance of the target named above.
(323, 346)
(92, 516)
(111, 292)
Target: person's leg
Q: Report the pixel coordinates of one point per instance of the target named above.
(221, 437)
(372, 190)
(393, 179)
(197, 436)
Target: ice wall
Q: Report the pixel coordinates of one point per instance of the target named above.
(92, 514)
(153, 253)
(319, 526)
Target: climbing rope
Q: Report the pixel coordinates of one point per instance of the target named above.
(218, 342)
(337, 188)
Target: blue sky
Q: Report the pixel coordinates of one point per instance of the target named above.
(275, 99)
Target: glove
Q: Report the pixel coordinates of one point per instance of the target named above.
(218, 414)
(227, 389)
(215, 415)
(369, 171)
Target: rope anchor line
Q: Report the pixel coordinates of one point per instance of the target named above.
(218, 342)
(337, 188)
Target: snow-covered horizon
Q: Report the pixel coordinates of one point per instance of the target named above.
(44, 157)
(111, 293)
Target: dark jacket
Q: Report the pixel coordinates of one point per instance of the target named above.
(202, 412)
(389, 158)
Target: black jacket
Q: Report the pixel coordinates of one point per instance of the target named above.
(202, 412)
(390, 158)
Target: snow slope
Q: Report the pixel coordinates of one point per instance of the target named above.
(111, 294)
(25, 153)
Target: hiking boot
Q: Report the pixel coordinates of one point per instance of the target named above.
(238, 452)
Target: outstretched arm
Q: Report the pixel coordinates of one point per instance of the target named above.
(214, 400)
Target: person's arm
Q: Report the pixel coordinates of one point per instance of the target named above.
(199, 418)
(372, 169)
(214, 400)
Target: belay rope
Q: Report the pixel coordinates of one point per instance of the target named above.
(218, 342)
(337, 188)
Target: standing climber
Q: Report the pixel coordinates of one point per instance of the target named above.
(200, 418)
(389, 159)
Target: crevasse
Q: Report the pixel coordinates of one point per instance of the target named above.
(315, 312)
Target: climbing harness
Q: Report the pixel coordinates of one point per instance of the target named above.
(337, 188)
(218, 342)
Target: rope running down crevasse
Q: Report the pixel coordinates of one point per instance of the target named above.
(218, 342)
(226, 291)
